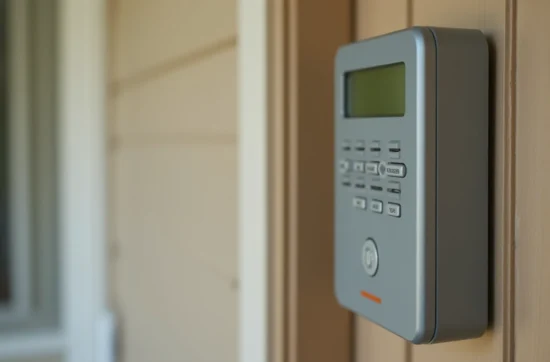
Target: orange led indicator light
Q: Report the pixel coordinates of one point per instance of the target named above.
(371, 297)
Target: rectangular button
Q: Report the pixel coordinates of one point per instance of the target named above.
(376, 188)
(376, 206)
(360, 203)
(375, 148)
(393, 209)
(394, 149)
(372, 168)
(346, 181)
(359, 182)
(396, 170)
(394, 146)
(360, 146)
(394, 189)
(346, 145)
(358, 166)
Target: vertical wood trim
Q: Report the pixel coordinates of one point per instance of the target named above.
(319, 330)
(307, 324)
(532, 228)
(277, 177)
(508, 343)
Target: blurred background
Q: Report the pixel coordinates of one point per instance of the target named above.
(170, 162)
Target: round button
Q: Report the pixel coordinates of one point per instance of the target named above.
(370, 257)
(344, 165)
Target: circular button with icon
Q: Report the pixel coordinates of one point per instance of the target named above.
(370, 257)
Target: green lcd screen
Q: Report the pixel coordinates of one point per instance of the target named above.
(376, 92)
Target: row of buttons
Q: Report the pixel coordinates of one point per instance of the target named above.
(374, 168)
(377, 206)
(394, 147)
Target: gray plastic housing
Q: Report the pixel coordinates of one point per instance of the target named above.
(431, 282)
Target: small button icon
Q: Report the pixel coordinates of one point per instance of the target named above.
(370, 257)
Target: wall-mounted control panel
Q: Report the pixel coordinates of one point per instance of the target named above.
(411, 182)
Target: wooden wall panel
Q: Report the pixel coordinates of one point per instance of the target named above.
(490, 17)
(375, 17)
(533, 178)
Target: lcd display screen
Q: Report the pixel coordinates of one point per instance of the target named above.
(376, 92)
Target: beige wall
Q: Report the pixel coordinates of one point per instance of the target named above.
(173, 178)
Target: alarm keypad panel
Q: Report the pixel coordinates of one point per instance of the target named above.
(411, 182)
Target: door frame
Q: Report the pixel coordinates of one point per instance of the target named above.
(88, 325)
(87, 328)
(288, 312)
(252, 80)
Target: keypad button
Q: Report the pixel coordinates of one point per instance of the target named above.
(395, 170)
(376, 206)
(374, 148)
(370, 257)
(359, 183)
(346, 181)
(360, 146)
(346, 145)
(344, 166)
(359, 166)
(359, 203)
(393, 209)
(394, 149)
(394, 189)
(372, 168)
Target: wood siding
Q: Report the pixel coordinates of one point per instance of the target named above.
(173, 181)
(520, 154)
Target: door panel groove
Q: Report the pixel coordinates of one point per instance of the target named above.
(508, 344)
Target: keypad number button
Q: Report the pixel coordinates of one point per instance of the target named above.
(372, 168)
(359, 166)
(393, 209)
(359, 203)
(376, 206)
